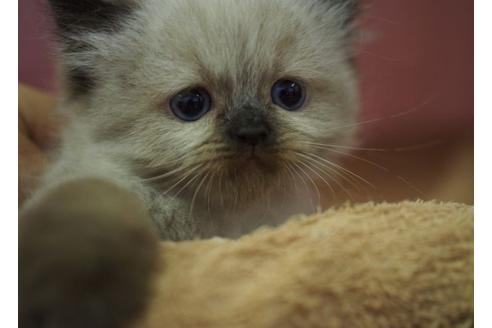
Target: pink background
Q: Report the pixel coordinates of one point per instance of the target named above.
(419, 61)
(36, 60)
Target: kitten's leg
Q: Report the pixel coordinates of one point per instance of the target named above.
(87, 252)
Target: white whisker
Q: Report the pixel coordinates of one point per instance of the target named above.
(313, 160)
(197, 190)
(353, 182)
(345, 170)
(310, 180)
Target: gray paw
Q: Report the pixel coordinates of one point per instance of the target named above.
(84, 266)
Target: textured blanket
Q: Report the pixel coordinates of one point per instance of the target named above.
(400, 265)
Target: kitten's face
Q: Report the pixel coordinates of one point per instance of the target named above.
(232, 95)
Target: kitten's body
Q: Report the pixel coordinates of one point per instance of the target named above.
(125, 59)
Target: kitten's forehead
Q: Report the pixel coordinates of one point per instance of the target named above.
(229, 42)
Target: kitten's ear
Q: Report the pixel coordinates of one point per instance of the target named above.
(73, 19)
(348, 9)
(76, 16)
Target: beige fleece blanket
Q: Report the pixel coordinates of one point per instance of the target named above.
(399, 265)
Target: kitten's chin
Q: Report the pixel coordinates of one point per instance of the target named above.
(241, 179)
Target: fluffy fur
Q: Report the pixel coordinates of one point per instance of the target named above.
(122, 62)
(402, 265)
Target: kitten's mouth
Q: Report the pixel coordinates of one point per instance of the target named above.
(253, 155)
(256, 159)
(250, 154)
(252, 162)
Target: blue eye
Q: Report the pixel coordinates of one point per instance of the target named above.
(191, 105)
(288, 94)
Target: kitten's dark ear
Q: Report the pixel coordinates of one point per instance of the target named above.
(74, 18)
(77, 16)
(349, 9)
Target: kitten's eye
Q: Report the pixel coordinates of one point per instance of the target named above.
(191, 105)
(288, 94)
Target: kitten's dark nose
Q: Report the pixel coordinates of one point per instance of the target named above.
(249, 126)
(251, 135)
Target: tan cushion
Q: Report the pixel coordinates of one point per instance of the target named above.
(401, 265)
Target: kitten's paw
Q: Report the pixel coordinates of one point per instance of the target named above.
(87, 253)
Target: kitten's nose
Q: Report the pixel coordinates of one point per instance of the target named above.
(251, 135)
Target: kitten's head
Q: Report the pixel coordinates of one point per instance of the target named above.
(233, 95)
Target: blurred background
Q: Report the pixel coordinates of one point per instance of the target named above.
(415, 64)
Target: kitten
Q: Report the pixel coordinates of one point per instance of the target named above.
(195, 115)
